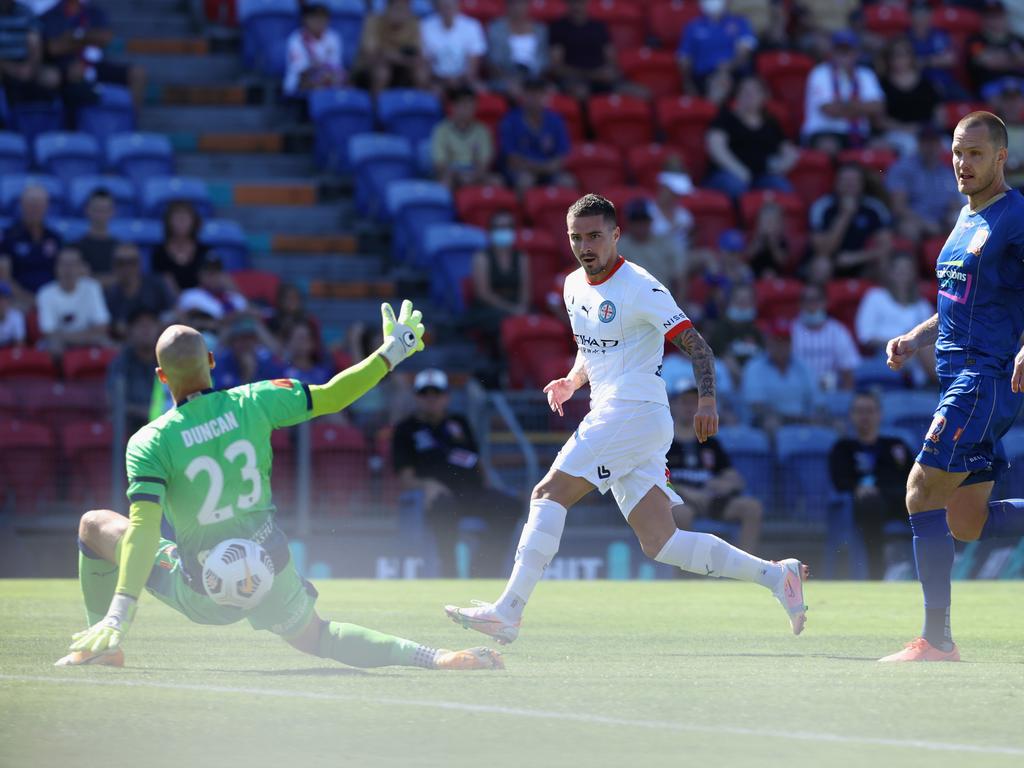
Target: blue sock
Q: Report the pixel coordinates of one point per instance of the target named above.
(1005, 519)
(933, 552)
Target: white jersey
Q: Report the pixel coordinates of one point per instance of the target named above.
(620, 325)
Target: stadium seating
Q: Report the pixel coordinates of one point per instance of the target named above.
(844, 297)
(12, 185)
(531, 342)
(159, 191)
(684, 120)
(546, 260)
(113, 112)
(570, 111)
(812, 176)
(625, 19)
(32, 118)
(137, 156)
(646, 161)
(750, 451)
(341, 464)
(266, 25)
(347, 20)
(412, 206)
(66, 154)
(257, 285)
(888, 21)
(622, 196)
(545, 208)
(69, 230)
(952, 112)
(25, 363)
(14, 156)
(122, 190)
(713, 210)
(145, 233)
(785, 74)
(449, 249)
(408, 112)
(547, 10)
(621, 121)
(595, 166)
(793, 209)
(377, 159)
(490, 109)
(874, 373)
(484, 11)
(874, 160)
(87, 363)
(930, 249)
(476, 205)
(960, 24)
(805, 484)
(657, 71)
(668, 19)
(28, 464)
(777, 297)
(88, 447)
(228, 239)
(910, 410)
(339, 114)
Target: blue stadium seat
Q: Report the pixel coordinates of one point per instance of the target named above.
(449, 249)
(423, 8)
(347, 20)
(227, 238)
(122, 190)
(377, 159)
(1012, 484)
(145, 233)
(804, 482)
(35, 117)
(13, 153)
(159, 191)
(425, 158)
(910, 410)
(873, 372)
(266, 25)
(413, 205)
(409, 112)
(339, 114)
(69, 230)
(750, 451)
(137, 156)
(114, 112)
(66, 154)
(12, 185)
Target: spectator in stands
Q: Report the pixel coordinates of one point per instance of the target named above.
(435, 452)
(75, 33)
(746, 146)
(130, 290)
(911, 101)
(98, 245)
(823, 344)
(715, 47)
(136, 365)
(661, 255)
(303, 358)
(21, 52)
(842, 98)
(387, 403)
(12, 319)
(390, 50)
(934, 50)
(244, 354)
(724, 269)
(517, 47)
(289, 310)
(770, 252)
(873, 470)
(1006, 97)
(735, 338)
(461, 146)
(178, 257)
(777, 388)
(213, 302)
(454, 46)
(850, 230)
(72, 311)
(922, 192)
(582, 55)
(29, 247)
(534, 141)
(668, 217)
(703, 475)
(313, 54)
(994, 51)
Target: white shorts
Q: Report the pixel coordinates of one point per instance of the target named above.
(621, 445)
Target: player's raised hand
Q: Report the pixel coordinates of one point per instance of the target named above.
(705, 421)
(1017, 380)
(558, 391)
(403, 336)
(898, 351)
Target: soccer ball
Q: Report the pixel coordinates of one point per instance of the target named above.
(239, 573)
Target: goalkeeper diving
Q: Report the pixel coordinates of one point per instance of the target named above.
(205, 464)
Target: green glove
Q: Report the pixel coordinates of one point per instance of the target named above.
(107, 634)
(402, 337)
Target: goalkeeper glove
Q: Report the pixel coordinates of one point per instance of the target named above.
(402, 337)
(107, 634)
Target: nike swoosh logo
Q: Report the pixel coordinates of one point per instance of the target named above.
(657, 290)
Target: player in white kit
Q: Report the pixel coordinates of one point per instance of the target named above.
(621, 317)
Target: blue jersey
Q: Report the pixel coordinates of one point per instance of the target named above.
(981, 290)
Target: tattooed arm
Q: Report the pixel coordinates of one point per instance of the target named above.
(705, 421)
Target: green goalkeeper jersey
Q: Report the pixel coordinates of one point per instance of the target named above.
(207, 462)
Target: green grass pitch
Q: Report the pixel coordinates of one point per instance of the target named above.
(686, 673)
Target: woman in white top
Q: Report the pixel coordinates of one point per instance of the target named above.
(517, 46)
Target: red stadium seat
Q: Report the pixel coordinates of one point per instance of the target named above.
(340, 465)
(87, 363)
(777, 297)
(57, 403)
(622, 121)
(713, 213)
(545, 208)
(626, 23)
(476, 205)
(547, 257)
(570, 111)
(669, 19)
(595, 166)
(930, 250)
(257, 285)
(88, 447)
(793, 209)
(10, 404)
(21, 363)
(953, 112)
(547, 11)
(812, 176)
(283, 477)
(622, 196)
(959, 24)
(874, 160)
(788, 120)
(484, 11)
(785, 73)
(490, 109)
(684, 121)
(646, 161)
(887, 20)
(28, 464)
(844, 297)
(657, 71)
(528, 342)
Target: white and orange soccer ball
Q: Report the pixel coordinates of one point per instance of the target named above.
(238, 573)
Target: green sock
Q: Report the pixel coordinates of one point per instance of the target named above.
(361, 647)
(98, 579)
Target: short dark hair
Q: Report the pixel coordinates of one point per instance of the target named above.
(101, 192)
(996, 127)
(594, 205)
(314, 9)
(461, 93)
(870, 394)
(137, 313)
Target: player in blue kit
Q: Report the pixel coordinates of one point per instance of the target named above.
(977, 333)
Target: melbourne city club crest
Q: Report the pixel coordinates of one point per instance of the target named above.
(606, 312)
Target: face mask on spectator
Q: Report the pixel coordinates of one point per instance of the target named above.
(813, 319)
(712, 7)
(503, 237)
(741, 314)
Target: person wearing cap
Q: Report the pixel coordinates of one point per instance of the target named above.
(777, 388)
(244, 354)
(131, 289)
(130, 376)
(922, 192)
(993, 51)
(724, 269)
(72, 311)
(435, 452)
(714, 45)
(313, 54)
(213, 301)
(12, 319)
(703, 475)
(661, 255)
(842, 98)
(534, 141)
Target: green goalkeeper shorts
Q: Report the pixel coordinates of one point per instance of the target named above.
(285, 611)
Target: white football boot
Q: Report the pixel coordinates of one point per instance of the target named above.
(790, 592)
(484, 618)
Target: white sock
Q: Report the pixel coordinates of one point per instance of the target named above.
(537, 547)
(711, 556)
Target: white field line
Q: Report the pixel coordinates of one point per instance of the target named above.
(538, 714)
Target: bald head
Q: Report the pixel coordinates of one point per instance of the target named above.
(183, 358)
(996, 128)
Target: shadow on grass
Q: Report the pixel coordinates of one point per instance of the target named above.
(752, 655)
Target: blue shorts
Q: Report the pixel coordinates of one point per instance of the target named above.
(974, 412)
